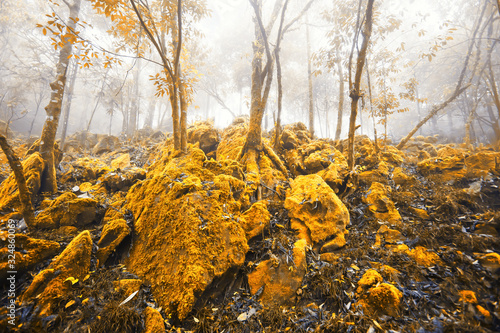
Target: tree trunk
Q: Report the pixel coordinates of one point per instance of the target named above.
(494, 121)
(309, 80)
(355, 93)
(68, 99)
(431, 114)
(24, 193)
(340, 113)
(49, 181)
(375, 139)
(183, 120)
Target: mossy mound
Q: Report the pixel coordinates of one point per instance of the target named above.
(33, 167)
(315, 209)
(187, 229)
(67, 210)
(51, 284)
(380, 205)
(204, 136)
(294, 136)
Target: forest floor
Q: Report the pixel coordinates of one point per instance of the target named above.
(142, 239)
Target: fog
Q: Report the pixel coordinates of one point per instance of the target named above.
(415, 58)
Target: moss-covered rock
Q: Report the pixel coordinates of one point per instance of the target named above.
(313, 206)
(67, 210)
(51, 284)
(279, 280)
(187, 229)
(113, 233)
(29, 252)
(379, 204)
(9, 194)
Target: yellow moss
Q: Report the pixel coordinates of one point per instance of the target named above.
(127, 286)
(447, 168)
(85, 187)
(467, 296)
(232, 140)
(255, 219)
(483, 311)
(280, 281)
(387, 235)
(335, 244)
(34, 251)
(33, 166)
(153, 321)
(420, 213)
(312, 202)
(384, 298)
(330, 257)
(369, 279)
(48, 287)
(401, 178)
(423, 257)
(112, 235)
(186, 228)
(389, 273)
(121, 162)
(380, 206)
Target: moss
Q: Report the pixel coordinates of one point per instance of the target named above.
(255, 219)
(31, 252)
(187, 229)
(280, 280)
(483, 312)
(380, 206)
(387, 235)
(113, 233)
(368, 280)
(384, 299)
(121, 162)
(467, 296)
(127, 286)
(33, 166)
(424, 257)
(50, 285)
(153, 321)
(311, 202)
(67, 210)
(490, 261)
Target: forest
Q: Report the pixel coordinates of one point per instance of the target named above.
(249, 166)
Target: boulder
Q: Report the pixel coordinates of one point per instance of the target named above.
(28, 252)
(67, 210)
(187, 230)
(33, 167)
(255, 219)
(121, 162)
(376, 297)
(113, 233)
(314, 208)
(380, 206)
(51, 284)
(204, 135)
(153, 321)
(279, 280)
(106, 144)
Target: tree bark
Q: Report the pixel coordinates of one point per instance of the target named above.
(431, 114)
(68, 99)
(49, 181)
(24, 193)
(280, 85)
(355, 94)
(340, 113)
(309, 81)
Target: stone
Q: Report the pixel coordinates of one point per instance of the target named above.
(186, 229)
(51, 284)
(204, 135)
(255, 219)
(113, 233)
(387, 235)
(380, 206)
(490, 261)
(424, 257)
(33, 167)
(280, 281)
(30, 252)
(121, 162)
(67, 210)
(106, 144)
(127, 286)
(153, 321)
(467, 296)
(376, 297)
(314, 205)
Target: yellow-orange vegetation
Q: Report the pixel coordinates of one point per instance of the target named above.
(153, 321)
(33, 166)
(255, 219)
(34, 251)
(379, 204)
(112, 235)
(67, 209)
(187, 229)
(424, 257)
(127, 286)
(378, 297)
(280, 280)
(313, 204)
(52, 283)
(467, 296)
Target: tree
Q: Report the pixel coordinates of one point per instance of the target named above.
(355, 92)
(53, 109)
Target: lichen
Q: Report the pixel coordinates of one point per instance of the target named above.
(380, 205)
(467, 296)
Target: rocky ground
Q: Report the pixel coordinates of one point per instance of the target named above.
(142, 239)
